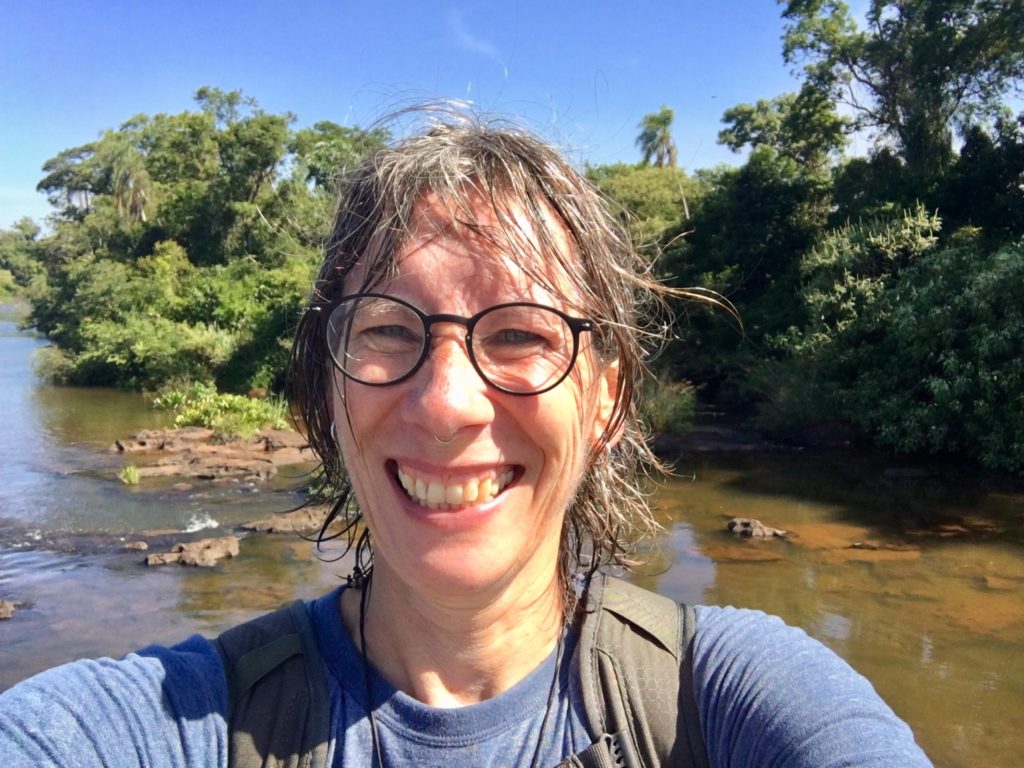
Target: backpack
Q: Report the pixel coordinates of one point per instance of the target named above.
(635, 652)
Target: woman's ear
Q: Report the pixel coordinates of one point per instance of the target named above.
(607, 397)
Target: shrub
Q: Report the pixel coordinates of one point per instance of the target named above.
(52, 364)
(947, 372)
(129, 474)
(668, 406)
(200, 405)
(918, 346)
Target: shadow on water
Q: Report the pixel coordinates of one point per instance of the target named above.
(931, 501)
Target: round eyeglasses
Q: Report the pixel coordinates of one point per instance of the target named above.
(518, 348)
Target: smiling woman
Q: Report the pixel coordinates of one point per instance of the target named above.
(467, 372)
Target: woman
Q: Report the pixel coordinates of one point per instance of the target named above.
(467, 373)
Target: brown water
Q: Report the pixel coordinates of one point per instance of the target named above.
(934, 616)
(936, 622)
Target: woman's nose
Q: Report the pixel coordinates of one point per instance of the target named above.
(448, 393)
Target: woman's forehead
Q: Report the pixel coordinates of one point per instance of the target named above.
(523, 256)
(501, 220)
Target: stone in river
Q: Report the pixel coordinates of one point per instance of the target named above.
(205, 552)
(748, 527)
(308, 519)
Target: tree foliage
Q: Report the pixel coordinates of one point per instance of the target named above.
(182, 245)
(917, 68)
(651, 200)
(916, 343)
(655, 140)
(18, 257)
(803, 127)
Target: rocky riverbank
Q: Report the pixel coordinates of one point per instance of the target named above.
(194, 453)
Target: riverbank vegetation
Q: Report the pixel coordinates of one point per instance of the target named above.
(880, 294)
(228, 415)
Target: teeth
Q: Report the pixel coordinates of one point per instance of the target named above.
(436, 495)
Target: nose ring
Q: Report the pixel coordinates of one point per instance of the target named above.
(445, 442)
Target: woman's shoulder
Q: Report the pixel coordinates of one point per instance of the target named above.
(774, 695)
(158, 706)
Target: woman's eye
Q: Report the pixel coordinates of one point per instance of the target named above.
(516, 337)
(388, 332)
(386, 338)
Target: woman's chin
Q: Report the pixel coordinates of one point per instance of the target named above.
(454, 572)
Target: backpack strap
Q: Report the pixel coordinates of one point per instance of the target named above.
(278, 710)
(636, 670)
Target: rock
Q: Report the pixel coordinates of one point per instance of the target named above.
(1000, 584)
(181, 487)
(306, 520)
(151, 440)
(276, 439)
(7, 609)
(193, 452)
(748, 527)
(211, 463)
(205, 552)
(136, 546)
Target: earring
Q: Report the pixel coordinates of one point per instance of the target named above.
(334, 431)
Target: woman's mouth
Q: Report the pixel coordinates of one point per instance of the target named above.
(434, 493)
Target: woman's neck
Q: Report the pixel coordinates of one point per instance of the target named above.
(448, 652)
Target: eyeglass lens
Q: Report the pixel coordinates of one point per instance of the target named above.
(520, 348)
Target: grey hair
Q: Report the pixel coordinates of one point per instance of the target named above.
(460, 160)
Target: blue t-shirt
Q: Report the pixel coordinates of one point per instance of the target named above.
(768, 695)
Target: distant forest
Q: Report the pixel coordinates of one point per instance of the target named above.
(882, 297)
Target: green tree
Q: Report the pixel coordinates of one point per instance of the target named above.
(919, 68)
(184, 245)
(984, 187)
(19, 264)
(800, 126)
(655, 140)
(652, 200)
(324, 151)
(126, 178)
(226, 107)
(915, 343)
(70, 181)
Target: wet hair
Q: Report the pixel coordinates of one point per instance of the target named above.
(460, 161)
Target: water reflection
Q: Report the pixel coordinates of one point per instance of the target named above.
(934, 616)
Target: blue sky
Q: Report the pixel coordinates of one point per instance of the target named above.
(581, 74)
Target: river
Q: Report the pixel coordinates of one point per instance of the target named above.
(929, 606)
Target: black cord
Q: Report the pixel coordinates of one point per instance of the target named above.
(551, 697)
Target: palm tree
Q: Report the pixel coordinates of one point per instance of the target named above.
(127, 179)
(655, 139)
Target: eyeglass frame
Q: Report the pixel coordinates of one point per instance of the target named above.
(576, 325)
